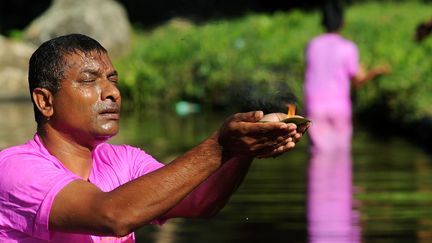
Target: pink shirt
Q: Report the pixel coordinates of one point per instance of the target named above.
(331, 62)
(30, 178)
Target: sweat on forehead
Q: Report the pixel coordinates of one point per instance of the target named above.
(84, 57)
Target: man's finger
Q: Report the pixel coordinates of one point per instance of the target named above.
(252, 116)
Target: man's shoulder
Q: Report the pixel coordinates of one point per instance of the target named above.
(21, 164)
(26, 149)
(22, 158)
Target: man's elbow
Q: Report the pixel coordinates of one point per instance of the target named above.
(117, 225)
(120, 223)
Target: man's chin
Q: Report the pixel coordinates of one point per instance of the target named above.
(106, 135)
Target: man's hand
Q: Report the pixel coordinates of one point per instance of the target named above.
(242, 135)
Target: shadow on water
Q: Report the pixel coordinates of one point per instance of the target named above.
(391, 200)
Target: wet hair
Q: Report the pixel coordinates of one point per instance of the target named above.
(332, 18)
(48, 63)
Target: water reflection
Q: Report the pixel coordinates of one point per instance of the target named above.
(331, 218)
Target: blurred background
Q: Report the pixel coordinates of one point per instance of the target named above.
(186, 65)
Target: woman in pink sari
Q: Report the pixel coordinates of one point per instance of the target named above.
(332, 65)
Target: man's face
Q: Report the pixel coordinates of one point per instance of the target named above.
(87, 105)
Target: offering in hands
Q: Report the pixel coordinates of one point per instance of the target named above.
(291, 117)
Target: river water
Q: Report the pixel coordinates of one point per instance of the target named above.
(381, 192)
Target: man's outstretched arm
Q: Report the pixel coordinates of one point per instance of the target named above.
(82, 207)
(211, 195)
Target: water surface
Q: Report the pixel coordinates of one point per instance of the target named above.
(381, 192)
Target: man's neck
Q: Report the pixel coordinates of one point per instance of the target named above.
(73, 155)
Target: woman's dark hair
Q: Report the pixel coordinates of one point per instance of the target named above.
(332, 18)
(47, 64)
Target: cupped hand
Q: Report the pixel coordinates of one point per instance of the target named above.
(243, 135)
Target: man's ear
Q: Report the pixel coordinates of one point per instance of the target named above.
(43, 99)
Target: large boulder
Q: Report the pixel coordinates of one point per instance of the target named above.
(14, 56)
(104, 20)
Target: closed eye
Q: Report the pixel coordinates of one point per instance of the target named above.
(88, 80)
(113, 77)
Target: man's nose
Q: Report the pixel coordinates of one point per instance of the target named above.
(110, 91)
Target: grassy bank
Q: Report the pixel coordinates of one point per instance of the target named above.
(223, 62)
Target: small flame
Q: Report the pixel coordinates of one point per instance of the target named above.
(291, 110)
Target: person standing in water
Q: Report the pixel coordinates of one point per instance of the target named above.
(332, 65)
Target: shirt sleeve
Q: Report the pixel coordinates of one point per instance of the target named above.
(143, 163)
(353, 62)
(28, 186)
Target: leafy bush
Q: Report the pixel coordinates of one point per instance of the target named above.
(181, 60)
(385, 35)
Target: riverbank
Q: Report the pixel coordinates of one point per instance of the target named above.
(227, 62)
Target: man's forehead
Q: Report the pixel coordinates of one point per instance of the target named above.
(89, 61)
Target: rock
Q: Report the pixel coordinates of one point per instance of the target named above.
(14, 56)
(104, 20)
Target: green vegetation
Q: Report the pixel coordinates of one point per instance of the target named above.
(207, 62)
(16, 34)
(385, 34)
(214, 62)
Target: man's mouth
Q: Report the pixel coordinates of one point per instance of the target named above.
(112, 113)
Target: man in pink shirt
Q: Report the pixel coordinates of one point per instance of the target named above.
(332, 63)
(68, 185)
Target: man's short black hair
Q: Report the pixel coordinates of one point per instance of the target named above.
(47, 64)
(332, 18)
